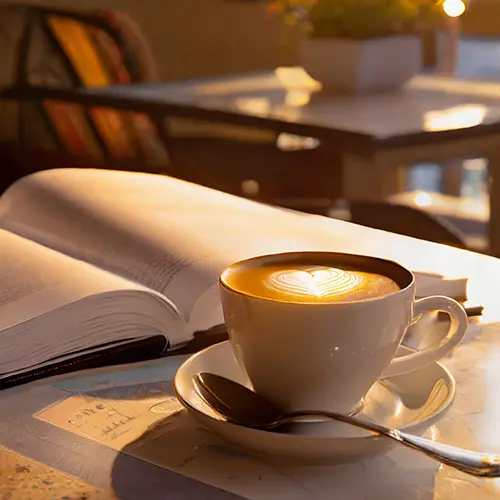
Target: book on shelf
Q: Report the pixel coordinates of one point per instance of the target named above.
(101, 267)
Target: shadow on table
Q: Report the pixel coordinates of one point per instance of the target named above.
(133, 479)
(179, 444)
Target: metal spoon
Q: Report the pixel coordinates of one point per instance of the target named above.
(239, 405)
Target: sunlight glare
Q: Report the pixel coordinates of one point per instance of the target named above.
(423, 199)
(454, 8)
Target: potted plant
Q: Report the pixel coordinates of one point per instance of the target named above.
(360, 46)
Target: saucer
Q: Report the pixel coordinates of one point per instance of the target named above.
(410, 402)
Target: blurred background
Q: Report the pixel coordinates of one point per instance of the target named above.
(170, 120)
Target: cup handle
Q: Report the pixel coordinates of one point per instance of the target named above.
(456, 333)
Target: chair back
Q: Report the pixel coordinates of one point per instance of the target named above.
(76, 49)
(405, 220)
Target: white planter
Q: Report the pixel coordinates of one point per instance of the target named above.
(362, 66)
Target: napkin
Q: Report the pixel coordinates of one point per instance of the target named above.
(428, 283)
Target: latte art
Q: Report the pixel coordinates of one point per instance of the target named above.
(311, 283)
(325, 283)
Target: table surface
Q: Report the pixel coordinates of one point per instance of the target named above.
(470, 216)
(426, 105)
(187, 457)
(22, 477)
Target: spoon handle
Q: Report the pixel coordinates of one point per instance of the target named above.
(470, 462)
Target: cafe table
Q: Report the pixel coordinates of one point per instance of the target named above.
(469, 215)
(433, 118)
(45, 454)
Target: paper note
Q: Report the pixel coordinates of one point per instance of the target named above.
(115, 416)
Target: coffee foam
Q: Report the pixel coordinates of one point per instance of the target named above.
(328, 284)
(310, 283)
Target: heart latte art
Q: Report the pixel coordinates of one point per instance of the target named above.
(314, 284)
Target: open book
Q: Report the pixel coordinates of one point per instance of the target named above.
(95, 260)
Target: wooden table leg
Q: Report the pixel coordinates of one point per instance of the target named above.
(494, 190)
(371, 180)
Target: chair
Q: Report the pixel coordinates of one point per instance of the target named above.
(407, 221)
(83, 49)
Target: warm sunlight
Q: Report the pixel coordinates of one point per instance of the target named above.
(297, 97)
(456, 117)
(423, 199)
(296, 78)
(454, 8)
(258, 106)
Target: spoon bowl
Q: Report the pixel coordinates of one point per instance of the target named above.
(239, 405)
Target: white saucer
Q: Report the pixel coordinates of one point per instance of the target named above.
(411, 402)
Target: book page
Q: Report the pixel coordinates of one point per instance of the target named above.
(172, 236)
(52, 305)
(34, 277)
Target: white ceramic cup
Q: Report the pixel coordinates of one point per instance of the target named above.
(308, 356)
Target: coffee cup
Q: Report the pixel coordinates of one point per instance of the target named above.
(315, 330)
